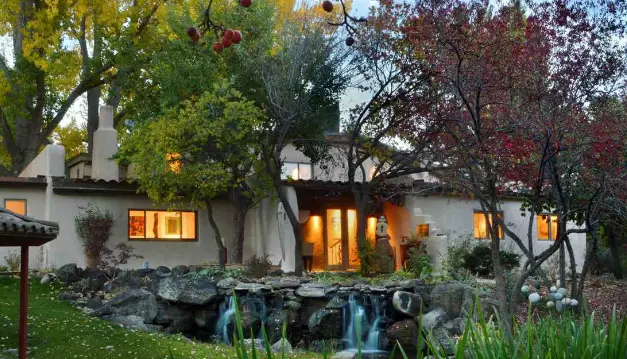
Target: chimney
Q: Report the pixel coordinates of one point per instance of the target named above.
(105, 146)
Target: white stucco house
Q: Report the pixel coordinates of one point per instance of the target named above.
(53, 190)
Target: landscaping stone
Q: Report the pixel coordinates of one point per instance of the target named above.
(312, 290)
(179, 319)
(180, 270)
(249, 287)
(206, 318)
(46, 279)
(407, 303)
(442, 337)
(336, 303)
(69, 273)
(293, 305)
(228, 283)
(282, 283)
(433, 319)
(163, 271)
(282, 346)
(326, 323)
(450, 297)
(455, 326)
(276, 320)
(194, 291)
(140, 303)
(67, 296)
(133, 322)
(405, 332)
(326, 346)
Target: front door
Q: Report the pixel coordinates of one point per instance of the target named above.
(341, 239)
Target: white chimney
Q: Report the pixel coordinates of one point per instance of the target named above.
(104, 147)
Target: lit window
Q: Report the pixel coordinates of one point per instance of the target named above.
(16, 205)
(161, 225)
(297, 171)
(481, 227)
(174, 162)
(547, 231)
(422, 230)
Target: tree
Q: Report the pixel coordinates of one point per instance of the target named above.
(206, 148)
(46, 74)
(513, 92)
(73, 137)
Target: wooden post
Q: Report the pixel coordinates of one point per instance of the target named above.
(23, 303)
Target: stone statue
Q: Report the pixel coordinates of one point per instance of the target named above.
(384, 254)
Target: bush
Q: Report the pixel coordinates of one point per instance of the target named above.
(94, 227)
(13, 260)
(418, 262)
(258, 266)
(479, 260)
(367, 259)
(4, 269)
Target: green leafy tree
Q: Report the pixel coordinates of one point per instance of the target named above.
(193, 154)
(73, 137)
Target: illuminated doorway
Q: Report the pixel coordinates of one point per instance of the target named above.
(341, 239)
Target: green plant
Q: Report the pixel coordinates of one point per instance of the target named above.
(418, 262)
(258, 266)
(13, 260)
(94, 228)
(4, 269)
(367, 258)
(479, 260)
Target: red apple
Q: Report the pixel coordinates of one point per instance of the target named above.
(245, 3)
(228, 33)
(327, 6)
(350, 41)
(237, 37)
(191, 31)
(226, 42)
(218, 47)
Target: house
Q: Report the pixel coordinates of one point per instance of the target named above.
(53, 190)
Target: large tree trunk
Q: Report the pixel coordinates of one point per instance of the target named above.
(573, 267)
(362, 205)
(239, 223)
(617, 267)
(93, 107)
(501, 282)
(216, 235)
(590, 254)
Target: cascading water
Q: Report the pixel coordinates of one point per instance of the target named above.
(372, 342)
(227, 311)
(353, 316)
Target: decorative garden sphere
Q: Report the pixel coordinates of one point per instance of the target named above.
(534, 297)
(550, 304)
(537, 283)
(563, 291)
(525, 289)
(553, 289)
(559, 306)
(558, 296)
(573, 302)
(566, 301)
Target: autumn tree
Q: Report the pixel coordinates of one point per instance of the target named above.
(192, 154)
(73, 137)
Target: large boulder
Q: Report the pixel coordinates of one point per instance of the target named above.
(69, 273)
(407, 303)
(137, 302)
(206, 318)
(177, 319)
(276, 320)
(94, 279)
(326, 324)
(441, 337)
(405, 332)
(454, 298)
(132, 322)
(188, 290)
(433, 319)
(180, 270)
(313, 290)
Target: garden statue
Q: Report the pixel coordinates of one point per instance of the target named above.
(384, 255)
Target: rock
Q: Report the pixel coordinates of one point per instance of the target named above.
(441, 336)
(180, 270)
(125, 281)
(282, 346)
(228, 283)
(274, 326)
(407, 303)
(378, 289)
(433, 319)
(293, 305)
(326, 346)
(69, 273)
(249, 287)
(206, 318)
(194, 291)
(282, 283)
(67, 296)
(101, 312)
(251, 323)
(93, 303)
(133, 322)
(162, 271)
(452, 298)
(175, 318)
(455, 326)
(95, 279)
(326, 323)
(405, 332)
(313, 290)
(45, 279)
(135, 302)
(259, 345)
(336, 303)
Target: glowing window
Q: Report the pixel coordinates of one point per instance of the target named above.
(481, 228)
(547, 231)
(297, 171)
(422, 230)
(16, 205)
(162, 225)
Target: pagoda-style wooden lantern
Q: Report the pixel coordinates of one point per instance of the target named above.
(24, 232)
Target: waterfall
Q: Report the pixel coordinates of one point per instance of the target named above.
(353, 314)
(227, 311)
(372, 343)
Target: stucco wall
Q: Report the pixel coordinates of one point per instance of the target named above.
(454, 218)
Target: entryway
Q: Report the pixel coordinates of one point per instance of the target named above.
(340, 235)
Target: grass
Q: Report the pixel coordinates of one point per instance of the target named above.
(59, 331)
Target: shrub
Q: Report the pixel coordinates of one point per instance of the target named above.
(110, 259)
(94, 227)
(418, 262)
(13, 260)
(4, 269)
(367, 259)
(479, 260)
(258, 266)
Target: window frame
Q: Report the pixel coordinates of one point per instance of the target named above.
(146, 239)
(552, 236)
(482, 213)
(298, 164)
(18, 199)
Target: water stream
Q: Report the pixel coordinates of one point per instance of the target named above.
(354, 315)
(372, 341)
(227, 311)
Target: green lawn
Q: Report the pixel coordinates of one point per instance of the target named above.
(58, 330)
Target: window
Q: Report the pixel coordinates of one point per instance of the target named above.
(16, 205)
(422, 230)
(547, 231)
(161, 225)
(481, 227)
(297, 171)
